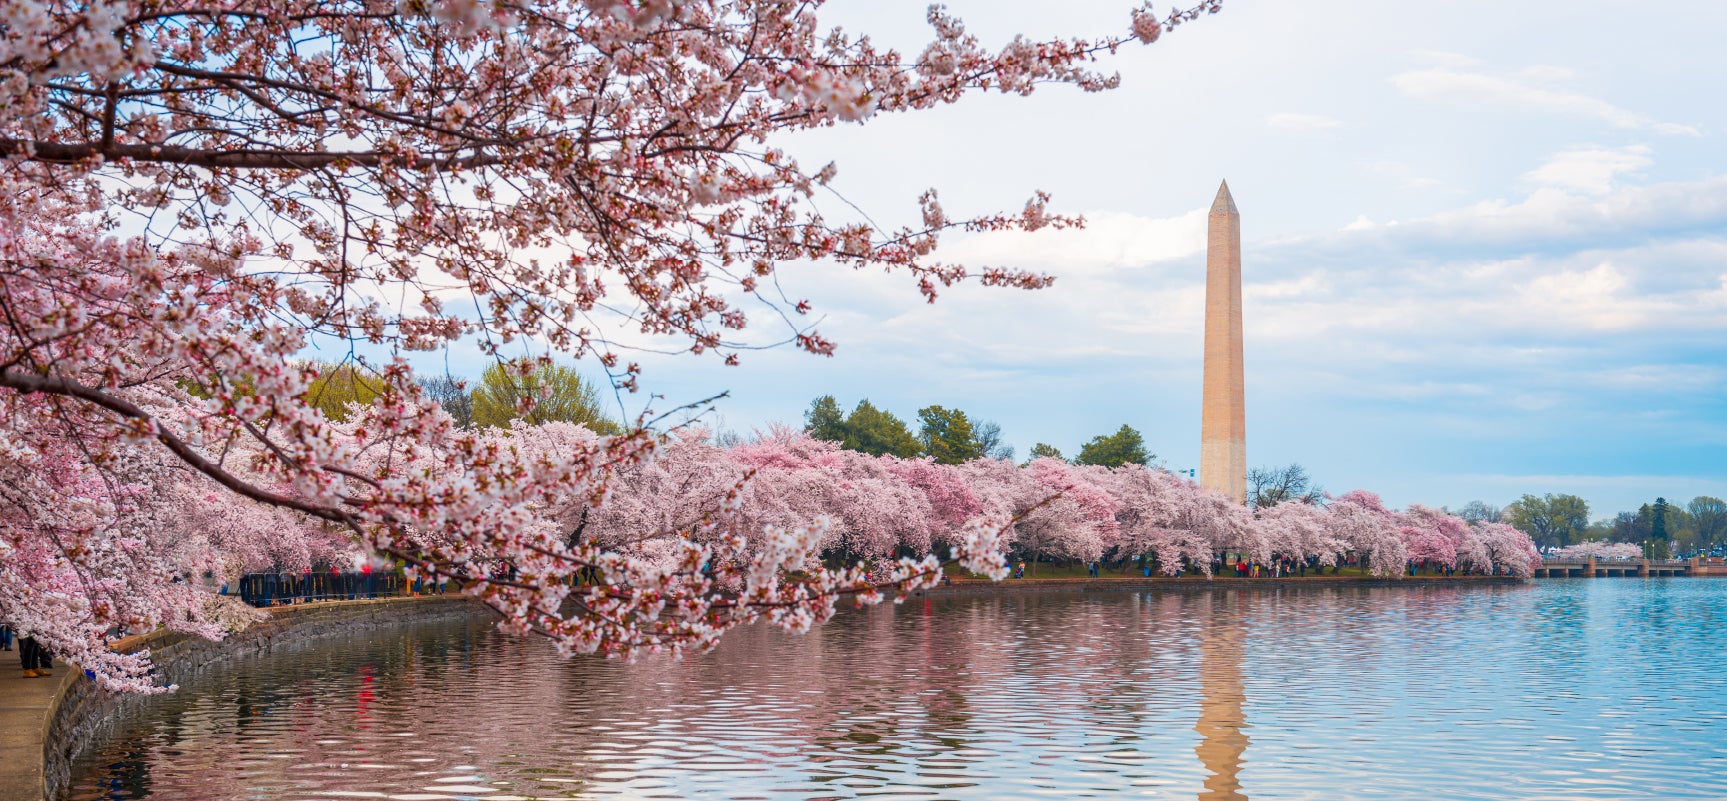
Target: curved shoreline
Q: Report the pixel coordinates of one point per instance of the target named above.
(46, 726)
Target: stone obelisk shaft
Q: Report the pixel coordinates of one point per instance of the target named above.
(1223, 422)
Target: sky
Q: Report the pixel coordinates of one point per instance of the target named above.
(1484, 246)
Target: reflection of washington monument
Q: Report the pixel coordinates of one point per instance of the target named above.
(1221, 725)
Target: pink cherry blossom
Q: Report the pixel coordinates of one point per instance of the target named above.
(196, 193)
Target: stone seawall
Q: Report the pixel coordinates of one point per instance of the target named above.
(82, 714)
(970, 588)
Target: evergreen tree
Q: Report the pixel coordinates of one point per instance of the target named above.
(824, 420)
(947, 435)
(1125, 446)
(1045, 451)
(1658, 520)
(877, 432)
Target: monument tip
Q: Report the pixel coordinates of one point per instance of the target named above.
(1224, 204)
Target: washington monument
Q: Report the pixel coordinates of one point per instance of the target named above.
(1223, 421)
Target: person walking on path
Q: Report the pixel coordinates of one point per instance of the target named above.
(5, 637)
(37, 661)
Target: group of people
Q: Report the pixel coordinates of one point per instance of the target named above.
(36, 659)
(1277, 569)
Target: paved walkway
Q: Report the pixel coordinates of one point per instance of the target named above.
(24, 705)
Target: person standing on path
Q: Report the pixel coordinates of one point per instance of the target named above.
(36, 659)
(5, 637)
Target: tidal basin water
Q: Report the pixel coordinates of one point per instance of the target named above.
(1579, 689)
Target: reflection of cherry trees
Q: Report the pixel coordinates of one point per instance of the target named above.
(954, 698)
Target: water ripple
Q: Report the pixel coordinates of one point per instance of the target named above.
(1604, 689)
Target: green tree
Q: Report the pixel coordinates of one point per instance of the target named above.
(1709, 518)
(1045, 451)
(1682, 529)
(1658, 520)
(1600, 530)
(1125, 446)
(877, 432)
(562, 396)
(947, 435)
(824, 420)
(339, 385)
(1550, 519)
(1632, 527)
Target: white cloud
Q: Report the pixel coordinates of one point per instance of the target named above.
(1664, 378)
(1551, 215)
(1475, 88)
(1441, 58)
(1296, 121)
(1426, 390)
(1361, 223)
(1547, 72)
(1500, 271)
(1402, 173)
(1306, 285)
(1595, 298)
(1108, 240)
(1589, 170)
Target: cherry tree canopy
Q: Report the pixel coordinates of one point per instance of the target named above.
(893, 507)
(194, 191)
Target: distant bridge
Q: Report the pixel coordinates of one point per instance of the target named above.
(1603, 568)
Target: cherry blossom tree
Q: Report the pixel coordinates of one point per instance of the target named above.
(651, 500)
(1372, 531)
(1432, 536)
(80, 544)
(951, 500)
(194, 192)
(1061, 514)
(235, 536)
(1509, 550)
(1213, 518)
(1152, 507)
(891, 505)
(1303, 530)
